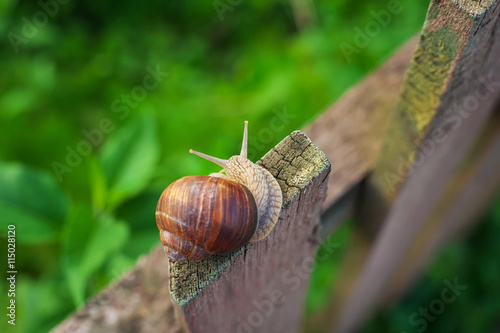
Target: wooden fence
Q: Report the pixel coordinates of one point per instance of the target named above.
(415, 157)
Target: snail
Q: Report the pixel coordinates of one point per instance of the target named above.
(203, 215)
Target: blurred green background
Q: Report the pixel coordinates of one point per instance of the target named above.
(90, 137)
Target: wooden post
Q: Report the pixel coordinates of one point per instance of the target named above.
(465, 198)
(453, 61)
(351, 131)
(261, 288)
(450, 91)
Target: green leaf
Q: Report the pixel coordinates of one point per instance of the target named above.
(110, 236)
(88, 243)
(41, 304)
(140, 211)
(98, 182)
(142, 242)
(32, 201)
(129, 159)
(77, 234)
(119, 266)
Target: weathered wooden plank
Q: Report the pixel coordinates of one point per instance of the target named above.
(346, 135)
(450, 90)
(464, 200)
(138, 302)
(351, 131)
(448, 30)
(261, 287)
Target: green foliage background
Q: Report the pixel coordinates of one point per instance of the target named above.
(81, 226)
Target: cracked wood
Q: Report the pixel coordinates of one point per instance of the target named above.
(222, 291)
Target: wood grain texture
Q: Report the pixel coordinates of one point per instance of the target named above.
(262, 286)
(466, 196)
(451, 89)
(449, 34)
(351, 131)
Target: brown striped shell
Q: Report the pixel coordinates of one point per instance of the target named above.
(202, 215)
(189, 219)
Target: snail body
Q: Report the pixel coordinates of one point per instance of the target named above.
(203, 215)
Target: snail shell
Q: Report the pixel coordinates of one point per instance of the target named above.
(203, 215)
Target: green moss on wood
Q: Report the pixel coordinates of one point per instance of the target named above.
(427, 78)
(446, 32)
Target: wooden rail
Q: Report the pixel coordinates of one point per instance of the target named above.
(450, 91)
